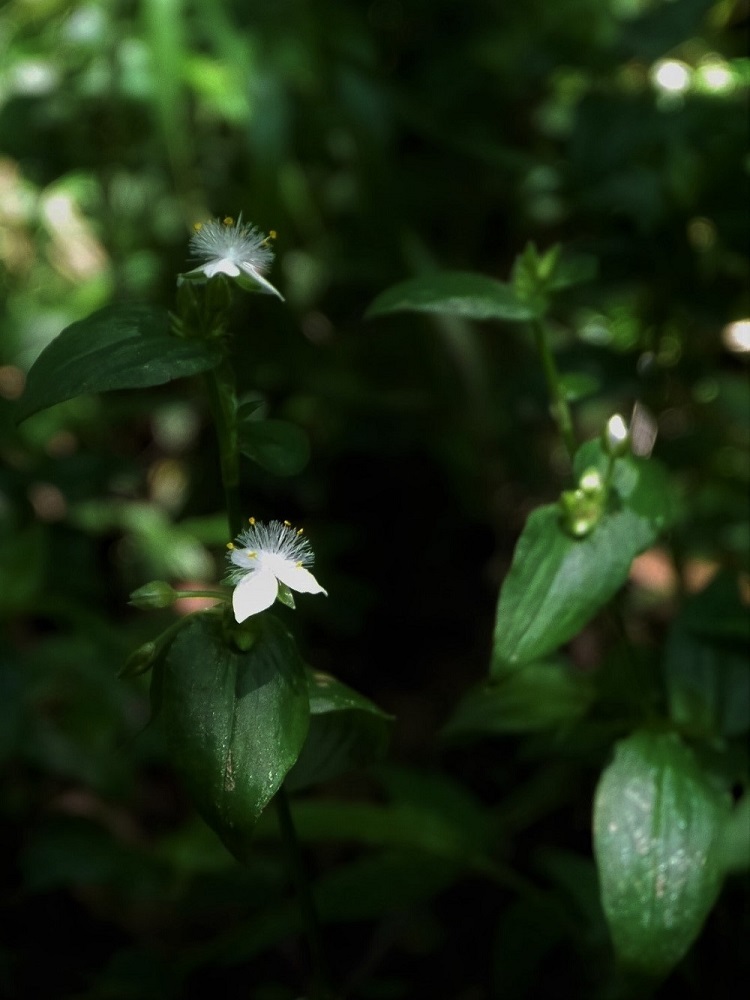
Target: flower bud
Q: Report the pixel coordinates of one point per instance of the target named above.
(616, 437)
(140, 661)
(151, 596)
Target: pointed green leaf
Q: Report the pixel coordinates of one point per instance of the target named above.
(235, 711)
(277, 446)
(455, 293)
(658, 823)
(557, 582)
(118, 347)
(346, 731)
(535, 697)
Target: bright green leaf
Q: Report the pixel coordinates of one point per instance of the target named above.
(346, 731)
(455, 293)
(657, 828)
(277, 446)
(118, 347)
(557, 583)
(235, 718)
(535, 697)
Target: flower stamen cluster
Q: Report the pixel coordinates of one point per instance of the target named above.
(235, 249)
(265, 557)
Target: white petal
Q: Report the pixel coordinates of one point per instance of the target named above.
(223, 266)
(257, 277)
(255, 592)
(298, 578)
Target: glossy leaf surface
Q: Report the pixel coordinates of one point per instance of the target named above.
(118, 347)
(658, 822)
(235, 709)
(557, 582)
(454, 293)
(346, 731)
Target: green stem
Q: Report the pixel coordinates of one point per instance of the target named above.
(223, 400)
(319, 988)
(559, 404)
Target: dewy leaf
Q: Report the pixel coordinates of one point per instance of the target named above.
(535, 697)
(454, 293)
(658, 823)
(346, 731)
(118, 347)
(276, 446)
(235, 718)
(557, 582)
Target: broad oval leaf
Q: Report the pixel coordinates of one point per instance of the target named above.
(118, 347)
(658, 822)
(535, 697)
(346, 731)
(235, 709)
(556, 582)
(277, 446)
(454, 293)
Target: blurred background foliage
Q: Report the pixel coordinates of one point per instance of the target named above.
(380, 139)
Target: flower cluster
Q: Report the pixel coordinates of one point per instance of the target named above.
(264, 558)
(235, 249)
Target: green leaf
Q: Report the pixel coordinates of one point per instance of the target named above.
(277, 446)
(557, 583)
(706, 666)
(346, 731)
(579, 385)
(118, 347)
(535, 697)
(455, 293)
(658, 821)
(572, 269)
(235, 709)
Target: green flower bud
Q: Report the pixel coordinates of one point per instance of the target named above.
(582, 508)
(156, 594)
(616, 437)
(140, 661)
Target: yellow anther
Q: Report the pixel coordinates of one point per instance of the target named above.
(300, 531)
(228, 220)
(298, 565)
(271, 236)
(230, 545)
(197, 227)
(251, 555)
(288, 524)
(251, 520)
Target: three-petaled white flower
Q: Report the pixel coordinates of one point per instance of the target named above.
(261, 558)
(236, 249)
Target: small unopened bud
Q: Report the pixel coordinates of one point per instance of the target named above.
(151, 596)
(591, 482)
(140, 661)
(616, 437)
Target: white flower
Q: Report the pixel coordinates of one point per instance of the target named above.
(264, 556)
(236, 249)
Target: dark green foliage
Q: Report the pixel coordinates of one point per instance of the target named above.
(407, 153)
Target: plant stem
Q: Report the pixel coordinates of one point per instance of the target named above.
(223, 399)
(320, 990)
(559, 404)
